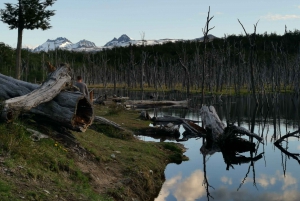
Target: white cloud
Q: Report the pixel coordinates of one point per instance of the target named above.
(275, 17)
(288, 181)
(191, 188)
(167, 187)
(298, 147)
(183, 189)
(226, 180)
(266, 181)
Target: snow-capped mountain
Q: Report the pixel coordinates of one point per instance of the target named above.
(209, 36)
(124, 41)
(118, 42)
(59, 42)
(85, 45)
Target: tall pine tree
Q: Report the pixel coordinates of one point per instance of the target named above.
(26, 14)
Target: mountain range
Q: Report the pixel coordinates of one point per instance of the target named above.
(85, 45)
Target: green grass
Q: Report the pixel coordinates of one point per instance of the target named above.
(48, 170)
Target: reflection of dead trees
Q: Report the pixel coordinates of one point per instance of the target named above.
(295, 156)
(205, 181)
(232, 159)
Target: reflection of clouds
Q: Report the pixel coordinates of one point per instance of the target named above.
(288, 180)
(189, 189)
(225, 194)
(265, 180)
(192, 188)
(226, 180)
(298, 147)
(167, 186)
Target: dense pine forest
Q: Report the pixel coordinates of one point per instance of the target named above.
(221, 64)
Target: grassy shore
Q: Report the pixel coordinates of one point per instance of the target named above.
(103, 164)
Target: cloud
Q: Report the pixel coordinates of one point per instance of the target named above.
(265, 180)
(276, 17)
(183, 189)
(226, 180)
(191, 188)
(167, 187)
(288, 181)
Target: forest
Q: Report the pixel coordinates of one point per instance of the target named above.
(220, 65)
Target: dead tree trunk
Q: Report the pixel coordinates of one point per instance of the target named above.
(44, 93)
(70, 109)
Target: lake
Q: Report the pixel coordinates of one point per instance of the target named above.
(272, 177)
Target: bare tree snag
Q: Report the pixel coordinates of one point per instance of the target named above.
(252, 39)
(70, 109)
(211, 120)
(205, 31)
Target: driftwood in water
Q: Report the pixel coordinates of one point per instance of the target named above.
(211, 119)
(44, 93)
(70, 109)
(194, 128)
(168, 118)
(224, 138)
(150, 103)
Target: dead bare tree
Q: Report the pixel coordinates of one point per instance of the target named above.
(205, 31)
(252, 39)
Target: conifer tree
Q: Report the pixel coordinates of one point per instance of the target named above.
(26, 14)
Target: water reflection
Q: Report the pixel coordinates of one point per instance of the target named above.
(267, 173)
(270, 172)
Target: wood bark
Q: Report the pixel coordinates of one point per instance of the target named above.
(44, 93)
(70, 109)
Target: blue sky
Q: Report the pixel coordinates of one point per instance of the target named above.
(101, 20)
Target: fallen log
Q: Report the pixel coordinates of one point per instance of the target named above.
(47, 91)
(150, 103)
(70, 109)
(105, 121)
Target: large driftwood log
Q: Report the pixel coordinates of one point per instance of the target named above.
(218, 137)
(150, 103)
(47, 91)
(70, 109)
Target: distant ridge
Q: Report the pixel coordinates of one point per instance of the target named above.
(85, 45)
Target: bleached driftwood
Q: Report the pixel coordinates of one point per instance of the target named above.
(193, 128)
(211, 120)
(220, 137)
(105, 121)
(149, 103)
(70, 109)
(44, 93)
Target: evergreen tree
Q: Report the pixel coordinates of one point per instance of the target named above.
(26, 14)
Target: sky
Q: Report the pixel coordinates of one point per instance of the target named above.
(100, 21)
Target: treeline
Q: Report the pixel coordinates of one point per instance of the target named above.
(225, 63)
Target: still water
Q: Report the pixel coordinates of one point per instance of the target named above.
(273, 177)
